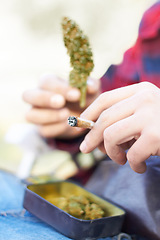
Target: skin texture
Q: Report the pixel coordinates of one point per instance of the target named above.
(53, 101)
(126, 118)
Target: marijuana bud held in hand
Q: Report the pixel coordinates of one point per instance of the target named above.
(80, 53)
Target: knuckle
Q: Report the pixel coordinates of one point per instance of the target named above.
(106, 116)
(102, 98)
(147, 85)
(153, 135)
(102, 117)
(107, 135)
(148, 96)
(50, 116)
(41, 99)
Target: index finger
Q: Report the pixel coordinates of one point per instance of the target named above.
(60, 86)
(107, 99)
(42, 98)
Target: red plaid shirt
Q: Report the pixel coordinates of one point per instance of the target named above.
(140, 63)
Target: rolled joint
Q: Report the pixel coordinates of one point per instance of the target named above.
(80, 122)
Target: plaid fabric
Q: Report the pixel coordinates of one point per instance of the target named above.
(142, 61)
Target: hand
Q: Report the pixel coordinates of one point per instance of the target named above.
(53, 102)
(127, 118)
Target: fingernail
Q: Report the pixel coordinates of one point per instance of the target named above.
(73, 94)
(83, 147)
(90, 82)
(57, 100)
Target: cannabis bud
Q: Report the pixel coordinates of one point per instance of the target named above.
(80, 53)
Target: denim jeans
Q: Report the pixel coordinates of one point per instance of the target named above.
(18, 224)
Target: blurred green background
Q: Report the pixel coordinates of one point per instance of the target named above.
(31, 45)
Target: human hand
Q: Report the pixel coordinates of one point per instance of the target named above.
(127, 118)
(53, 102)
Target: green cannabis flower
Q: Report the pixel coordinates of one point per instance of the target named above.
(80, 53)
(80, 207)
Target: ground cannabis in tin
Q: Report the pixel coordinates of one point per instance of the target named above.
(80, 207)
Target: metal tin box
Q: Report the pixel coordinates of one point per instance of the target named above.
(39, 199)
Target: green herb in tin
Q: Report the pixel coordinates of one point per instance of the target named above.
(80, 207)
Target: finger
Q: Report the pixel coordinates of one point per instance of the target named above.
(42, 98)
(118, 134)
(52, 130)
(46, 116)
(60, 86)
(107, 99)
(115, 113)
(139, 152)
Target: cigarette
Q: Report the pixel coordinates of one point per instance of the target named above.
(80, 122)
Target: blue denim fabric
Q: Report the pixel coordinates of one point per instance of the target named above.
(17, 223)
